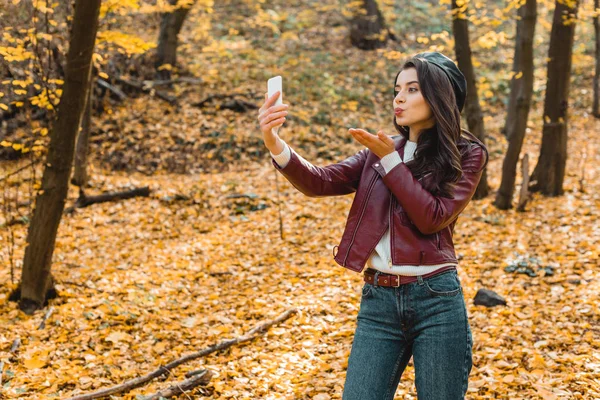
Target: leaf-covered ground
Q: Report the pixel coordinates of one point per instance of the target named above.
(147, 280)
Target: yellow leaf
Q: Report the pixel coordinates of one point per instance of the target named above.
(34, 362)
(103, 75)
(116, 337)
(5, 144)
(44, 131)
(3, 106)
(17, 146)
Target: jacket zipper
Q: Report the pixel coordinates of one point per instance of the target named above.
(390, 261)
(361, 215)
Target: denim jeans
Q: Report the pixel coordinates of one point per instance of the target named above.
(426, 320)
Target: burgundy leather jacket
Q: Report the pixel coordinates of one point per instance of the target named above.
(421, 224)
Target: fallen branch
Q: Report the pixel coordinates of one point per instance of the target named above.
(118, 92)
(224, 96)
(162, 370)
(184, 79)
(5, 177)
(202, 378)
(15, 345)
(582, 179)
(84, 201)
(48, 313)
(1, 371)
(142, 88)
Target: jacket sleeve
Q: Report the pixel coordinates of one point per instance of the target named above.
(332, 180)
(431, 213)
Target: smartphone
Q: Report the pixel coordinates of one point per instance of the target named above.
(273, 85)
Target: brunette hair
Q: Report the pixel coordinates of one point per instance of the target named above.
(437, 152)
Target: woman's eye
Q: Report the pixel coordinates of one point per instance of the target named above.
(409, 89)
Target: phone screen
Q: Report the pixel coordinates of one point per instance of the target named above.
(273, 85)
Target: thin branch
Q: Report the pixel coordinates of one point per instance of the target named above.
(48, 313)
(137, 382)
(17, 171)
(183, 386)
(15, 345)
(118, 92)
(140, 87)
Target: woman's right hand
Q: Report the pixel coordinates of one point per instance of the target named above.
(271, 116)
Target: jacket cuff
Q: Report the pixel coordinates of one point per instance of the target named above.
(390, 161)
(283, 158)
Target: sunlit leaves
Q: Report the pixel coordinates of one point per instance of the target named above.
(129, 44)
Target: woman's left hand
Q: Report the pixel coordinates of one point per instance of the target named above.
(380, 144)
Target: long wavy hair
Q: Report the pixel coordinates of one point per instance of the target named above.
(437, 152)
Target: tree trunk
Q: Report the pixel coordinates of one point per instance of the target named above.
(367, 31)
(460, 29)
(50, 200)
(80, 176)
(549, 172)
(596, 105)
(166, 53)
(520, 101)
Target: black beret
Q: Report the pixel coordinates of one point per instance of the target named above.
(459, 83)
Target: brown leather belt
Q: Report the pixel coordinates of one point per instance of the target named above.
(388, 280)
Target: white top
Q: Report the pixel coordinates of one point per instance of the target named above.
(380, 259)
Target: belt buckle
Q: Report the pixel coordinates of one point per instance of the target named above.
(397, 277)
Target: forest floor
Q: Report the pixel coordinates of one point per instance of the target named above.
(144, 281)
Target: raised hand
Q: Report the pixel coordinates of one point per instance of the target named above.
(381, 144)
(270, 116)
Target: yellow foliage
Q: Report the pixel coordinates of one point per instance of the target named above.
(130, 43)
(18, 53)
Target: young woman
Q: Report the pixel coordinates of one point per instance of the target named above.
(410, 189)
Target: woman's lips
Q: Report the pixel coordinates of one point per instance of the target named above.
(398, 111)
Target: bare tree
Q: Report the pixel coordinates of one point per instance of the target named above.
(170, 25)
(596, 105)
(474, 115)
(36, 280)
(521, 89)
(367, 28)
(549, 172)
(80, 175)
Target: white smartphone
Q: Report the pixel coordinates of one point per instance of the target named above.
(273, 85)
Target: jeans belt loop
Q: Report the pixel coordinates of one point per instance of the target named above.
(420, 280)
(375, 277)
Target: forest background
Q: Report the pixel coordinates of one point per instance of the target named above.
(203, 256)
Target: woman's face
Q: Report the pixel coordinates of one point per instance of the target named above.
(416, 112)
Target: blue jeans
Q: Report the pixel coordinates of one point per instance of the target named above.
(425, 319)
